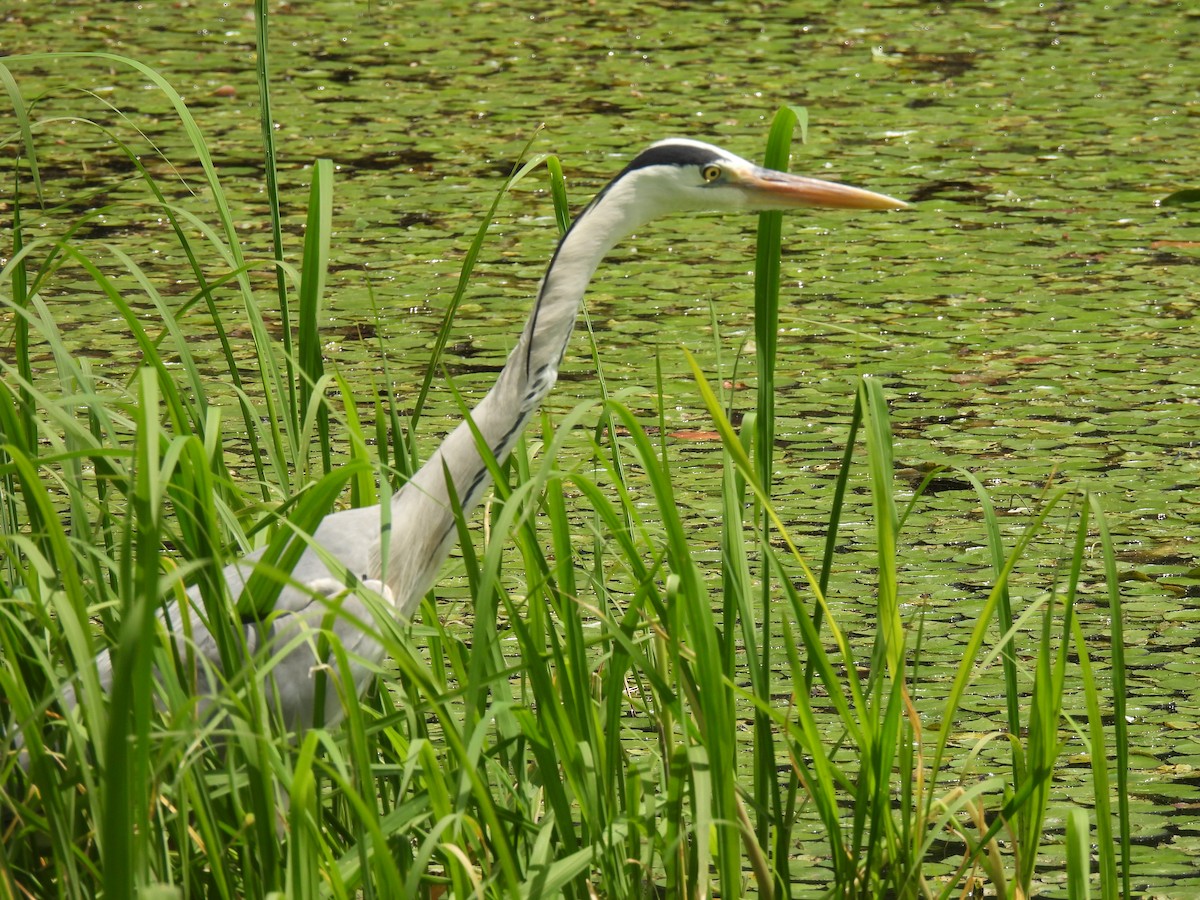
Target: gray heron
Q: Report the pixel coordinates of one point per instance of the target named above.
(396, 552)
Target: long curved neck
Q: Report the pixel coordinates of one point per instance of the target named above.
(423, 529)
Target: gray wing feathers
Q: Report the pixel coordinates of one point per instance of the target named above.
(287, 640)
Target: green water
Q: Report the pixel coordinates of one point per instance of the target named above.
(1033, 317)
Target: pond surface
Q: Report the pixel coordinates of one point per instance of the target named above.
(1034, 316)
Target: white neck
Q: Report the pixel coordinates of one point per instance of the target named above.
(423, 529)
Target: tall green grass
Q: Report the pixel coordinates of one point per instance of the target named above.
(607, 722)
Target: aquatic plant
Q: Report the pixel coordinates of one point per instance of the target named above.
(618, 711)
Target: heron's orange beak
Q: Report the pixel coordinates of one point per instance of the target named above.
(778, 190)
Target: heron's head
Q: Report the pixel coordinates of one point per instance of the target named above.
(679, 175)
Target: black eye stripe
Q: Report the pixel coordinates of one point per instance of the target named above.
(672, 155)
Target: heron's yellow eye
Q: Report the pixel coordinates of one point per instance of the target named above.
(710, 173)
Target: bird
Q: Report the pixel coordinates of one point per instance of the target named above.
(395, 552)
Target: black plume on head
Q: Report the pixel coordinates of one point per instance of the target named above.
(672, 154)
